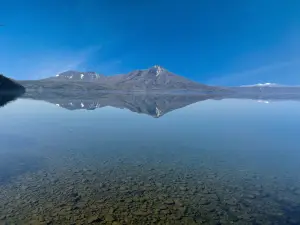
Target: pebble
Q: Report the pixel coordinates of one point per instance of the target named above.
(162, 207)
(182, 209)
(232, 202)
(109, 218)
(84, 180)
(122, 188)
(129, 200)
(250, 196)
(94, 219)
(24, 187)
(2, 217)
(169, 202)
(165, 211)
(183, 188)
(111, 210)
(178, 203)
(116, 223)
(141, 213)
(204, 202)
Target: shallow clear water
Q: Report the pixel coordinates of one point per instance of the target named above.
(211, 162)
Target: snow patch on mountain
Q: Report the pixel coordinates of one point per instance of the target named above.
(263, 101)
(262, 85)
(158, 70)
(158, 112)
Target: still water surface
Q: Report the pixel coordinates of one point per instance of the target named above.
(211, 162)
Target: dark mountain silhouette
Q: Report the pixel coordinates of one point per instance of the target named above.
(9, 90)
(7, 85)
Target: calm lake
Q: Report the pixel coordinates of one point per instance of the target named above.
(229, 161)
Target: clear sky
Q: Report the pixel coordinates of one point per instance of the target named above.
(213, 41)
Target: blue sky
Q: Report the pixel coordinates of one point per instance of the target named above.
(215, 42)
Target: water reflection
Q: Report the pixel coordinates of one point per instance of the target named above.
(152, 105)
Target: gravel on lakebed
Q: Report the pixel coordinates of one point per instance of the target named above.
(144, 194)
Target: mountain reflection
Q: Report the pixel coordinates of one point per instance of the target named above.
(152, 105)
(155, 105)
(5, 98)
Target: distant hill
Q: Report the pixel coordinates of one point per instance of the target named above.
(8, 86)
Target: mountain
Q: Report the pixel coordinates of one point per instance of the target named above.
(8, 86)
(155, 78)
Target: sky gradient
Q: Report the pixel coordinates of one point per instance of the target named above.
(215, 42)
